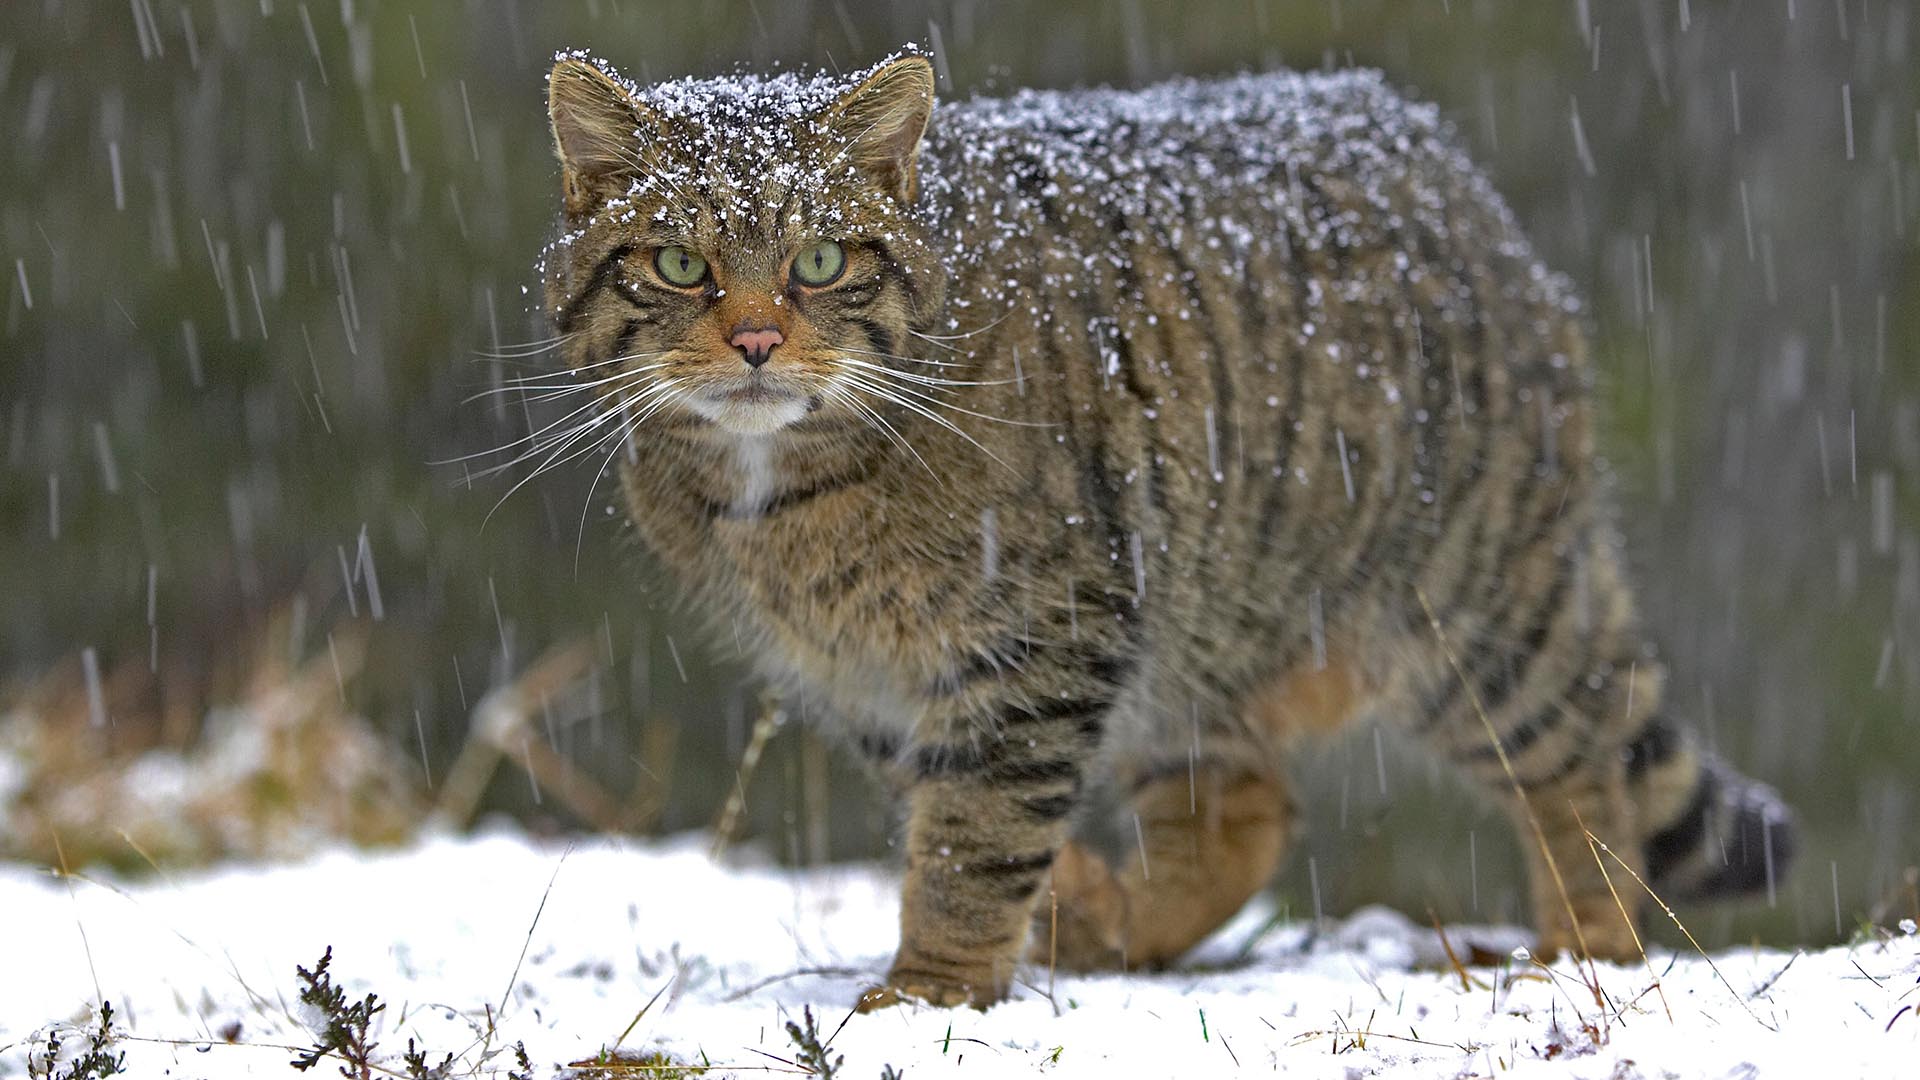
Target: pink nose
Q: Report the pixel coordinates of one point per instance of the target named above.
(756, 345)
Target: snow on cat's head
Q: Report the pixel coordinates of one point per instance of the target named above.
(741, 249)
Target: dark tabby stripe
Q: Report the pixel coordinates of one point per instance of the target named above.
(792, 498)
(945, 762)
(623, 343)
(878, 748)
(1009, 865)
(605, 273)
(1494, 668)
(1048, 808)
(1672, 845)
(879, 338)
(1656, 744)
(1012, 878)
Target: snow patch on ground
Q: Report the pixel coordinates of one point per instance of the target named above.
(200, 970)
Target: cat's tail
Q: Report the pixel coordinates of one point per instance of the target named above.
(1707, 831)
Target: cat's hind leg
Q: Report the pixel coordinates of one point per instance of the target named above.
(1549, 699)
(1191, 844)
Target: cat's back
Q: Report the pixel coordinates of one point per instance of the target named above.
(1336, 159)
(1273, 325)
(1294, 220)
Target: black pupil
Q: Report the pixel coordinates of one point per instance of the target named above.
(819, 259)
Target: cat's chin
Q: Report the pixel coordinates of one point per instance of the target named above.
(761, 413)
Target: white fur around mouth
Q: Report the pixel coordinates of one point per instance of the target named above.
(754, 409)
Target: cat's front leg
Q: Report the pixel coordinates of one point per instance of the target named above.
(986, 815)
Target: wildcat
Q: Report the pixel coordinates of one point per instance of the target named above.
(1079, 451)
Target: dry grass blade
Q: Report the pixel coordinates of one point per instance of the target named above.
(1053, 942)
(1775, 977)
(66, 876)
(1359, 1037)
(1683, 929)
(233, 970)
(1453, 959)
(644, 1009)
(1592, 976)
(528, 943)
(1593, 845)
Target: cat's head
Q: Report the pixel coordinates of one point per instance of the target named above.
(740, 249)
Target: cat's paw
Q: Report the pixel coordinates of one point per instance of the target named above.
(1085, 928)
(925, 989)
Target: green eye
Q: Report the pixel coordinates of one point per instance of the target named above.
(680, 266)
(820, 264)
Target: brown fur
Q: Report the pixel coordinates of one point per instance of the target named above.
(1207, 843)
(1123, 453)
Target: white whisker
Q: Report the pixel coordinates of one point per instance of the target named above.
(879, 423)
(522, 350)
(893, 394)
(919, 379)
(567, 450)
(967, 334)
(939, 403)
(556, 391)
(586, 507)
(553, 373)
(620, 438)
(907, 359)
(538, 438)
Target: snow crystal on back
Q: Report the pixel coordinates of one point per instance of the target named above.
(1186, 144)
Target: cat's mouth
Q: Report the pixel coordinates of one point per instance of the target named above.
(755, 405)
(754, 391)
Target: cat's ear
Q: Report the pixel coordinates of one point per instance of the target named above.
(883, 119)
(600, 132)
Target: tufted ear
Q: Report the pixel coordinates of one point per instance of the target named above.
(600, 133)
(883, 119)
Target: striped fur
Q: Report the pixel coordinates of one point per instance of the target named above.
(1188, 403)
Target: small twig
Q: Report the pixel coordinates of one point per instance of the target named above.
(576, 789)
(736, 805)
(795, 1066)
(203, 1045)
(653, 769)
(759, 985)
(497, 720)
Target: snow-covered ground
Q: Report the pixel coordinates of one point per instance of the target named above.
(474, 944)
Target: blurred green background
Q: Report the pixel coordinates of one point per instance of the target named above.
(257, 253)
